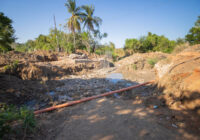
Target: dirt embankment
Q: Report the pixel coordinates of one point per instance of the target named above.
(42, 65)
(140, 61)
(178, 77)
(139, 67)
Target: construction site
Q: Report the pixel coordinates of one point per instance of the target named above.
(100, 70)
(88, 96)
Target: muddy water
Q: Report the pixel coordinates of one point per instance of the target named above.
(115, 77)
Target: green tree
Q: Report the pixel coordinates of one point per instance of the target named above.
(76, 17)
(151, 42)
(90, 22)
(6, 33)
(86, 40)
(132, 45)
(43, 43)
(193, 37)
(180, 41)
(112, 45)
(89, 19)
(97, 37)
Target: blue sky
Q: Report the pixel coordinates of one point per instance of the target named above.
(121, 18)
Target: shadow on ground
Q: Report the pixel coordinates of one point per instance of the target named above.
(135, 114)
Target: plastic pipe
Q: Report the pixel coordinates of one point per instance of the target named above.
(89, 98)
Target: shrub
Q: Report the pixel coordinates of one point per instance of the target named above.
(114, 56)
(12, 67)
(152, 61)
(10, 115)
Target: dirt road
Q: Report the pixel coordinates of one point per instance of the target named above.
(107, 119)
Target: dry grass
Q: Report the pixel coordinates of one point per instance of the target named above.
(120, 52)
(180, 48)
(186, 48)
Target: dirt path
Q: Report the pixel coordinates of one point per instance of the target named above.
(106, 119)
(112, 118)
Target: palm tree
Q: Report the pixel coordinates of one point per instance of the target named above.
(76, 17)
(89, 19)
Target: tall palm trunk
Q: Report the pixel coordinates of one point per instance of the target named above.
(74, 41)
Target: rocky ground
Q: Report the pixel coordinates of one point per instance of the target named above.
(40, 80)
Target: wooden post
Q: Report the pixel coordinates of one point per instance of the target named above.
(57, 42)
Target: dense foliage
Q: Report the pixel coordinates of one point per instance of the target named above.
(194, 34)
(84, 41)
(85, 34)
(151, 42)
(6, 33)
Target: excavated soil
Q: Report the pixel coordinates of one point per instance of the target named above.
(167, 109)
(180, 81)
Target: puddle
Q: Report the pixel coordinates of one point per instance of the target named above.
(63, 98)
(30, 104)
(115, 77)
(51, 93)
(116, 95)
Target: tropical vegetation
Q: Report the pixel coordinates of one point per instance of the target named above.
(193, 37)
(151, 42)
(6, 33)
(84, 33)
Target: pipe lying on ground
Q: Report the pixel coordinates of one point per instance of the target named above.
(89, 98)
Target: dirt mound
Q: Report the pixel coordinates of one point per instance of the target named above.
(179, 77)
(194, 48)
(140, 61)
(186, 47)
(85, 53)
(139, 66)
(50, 71)
(45, 56)
(42, 65)
(38, 56)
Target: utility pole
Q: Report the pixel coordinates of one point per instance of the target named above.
(58, 46)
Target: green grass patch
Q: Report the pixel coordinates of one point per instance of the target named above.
(152, 61)
(134, 66)
(12, 66)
